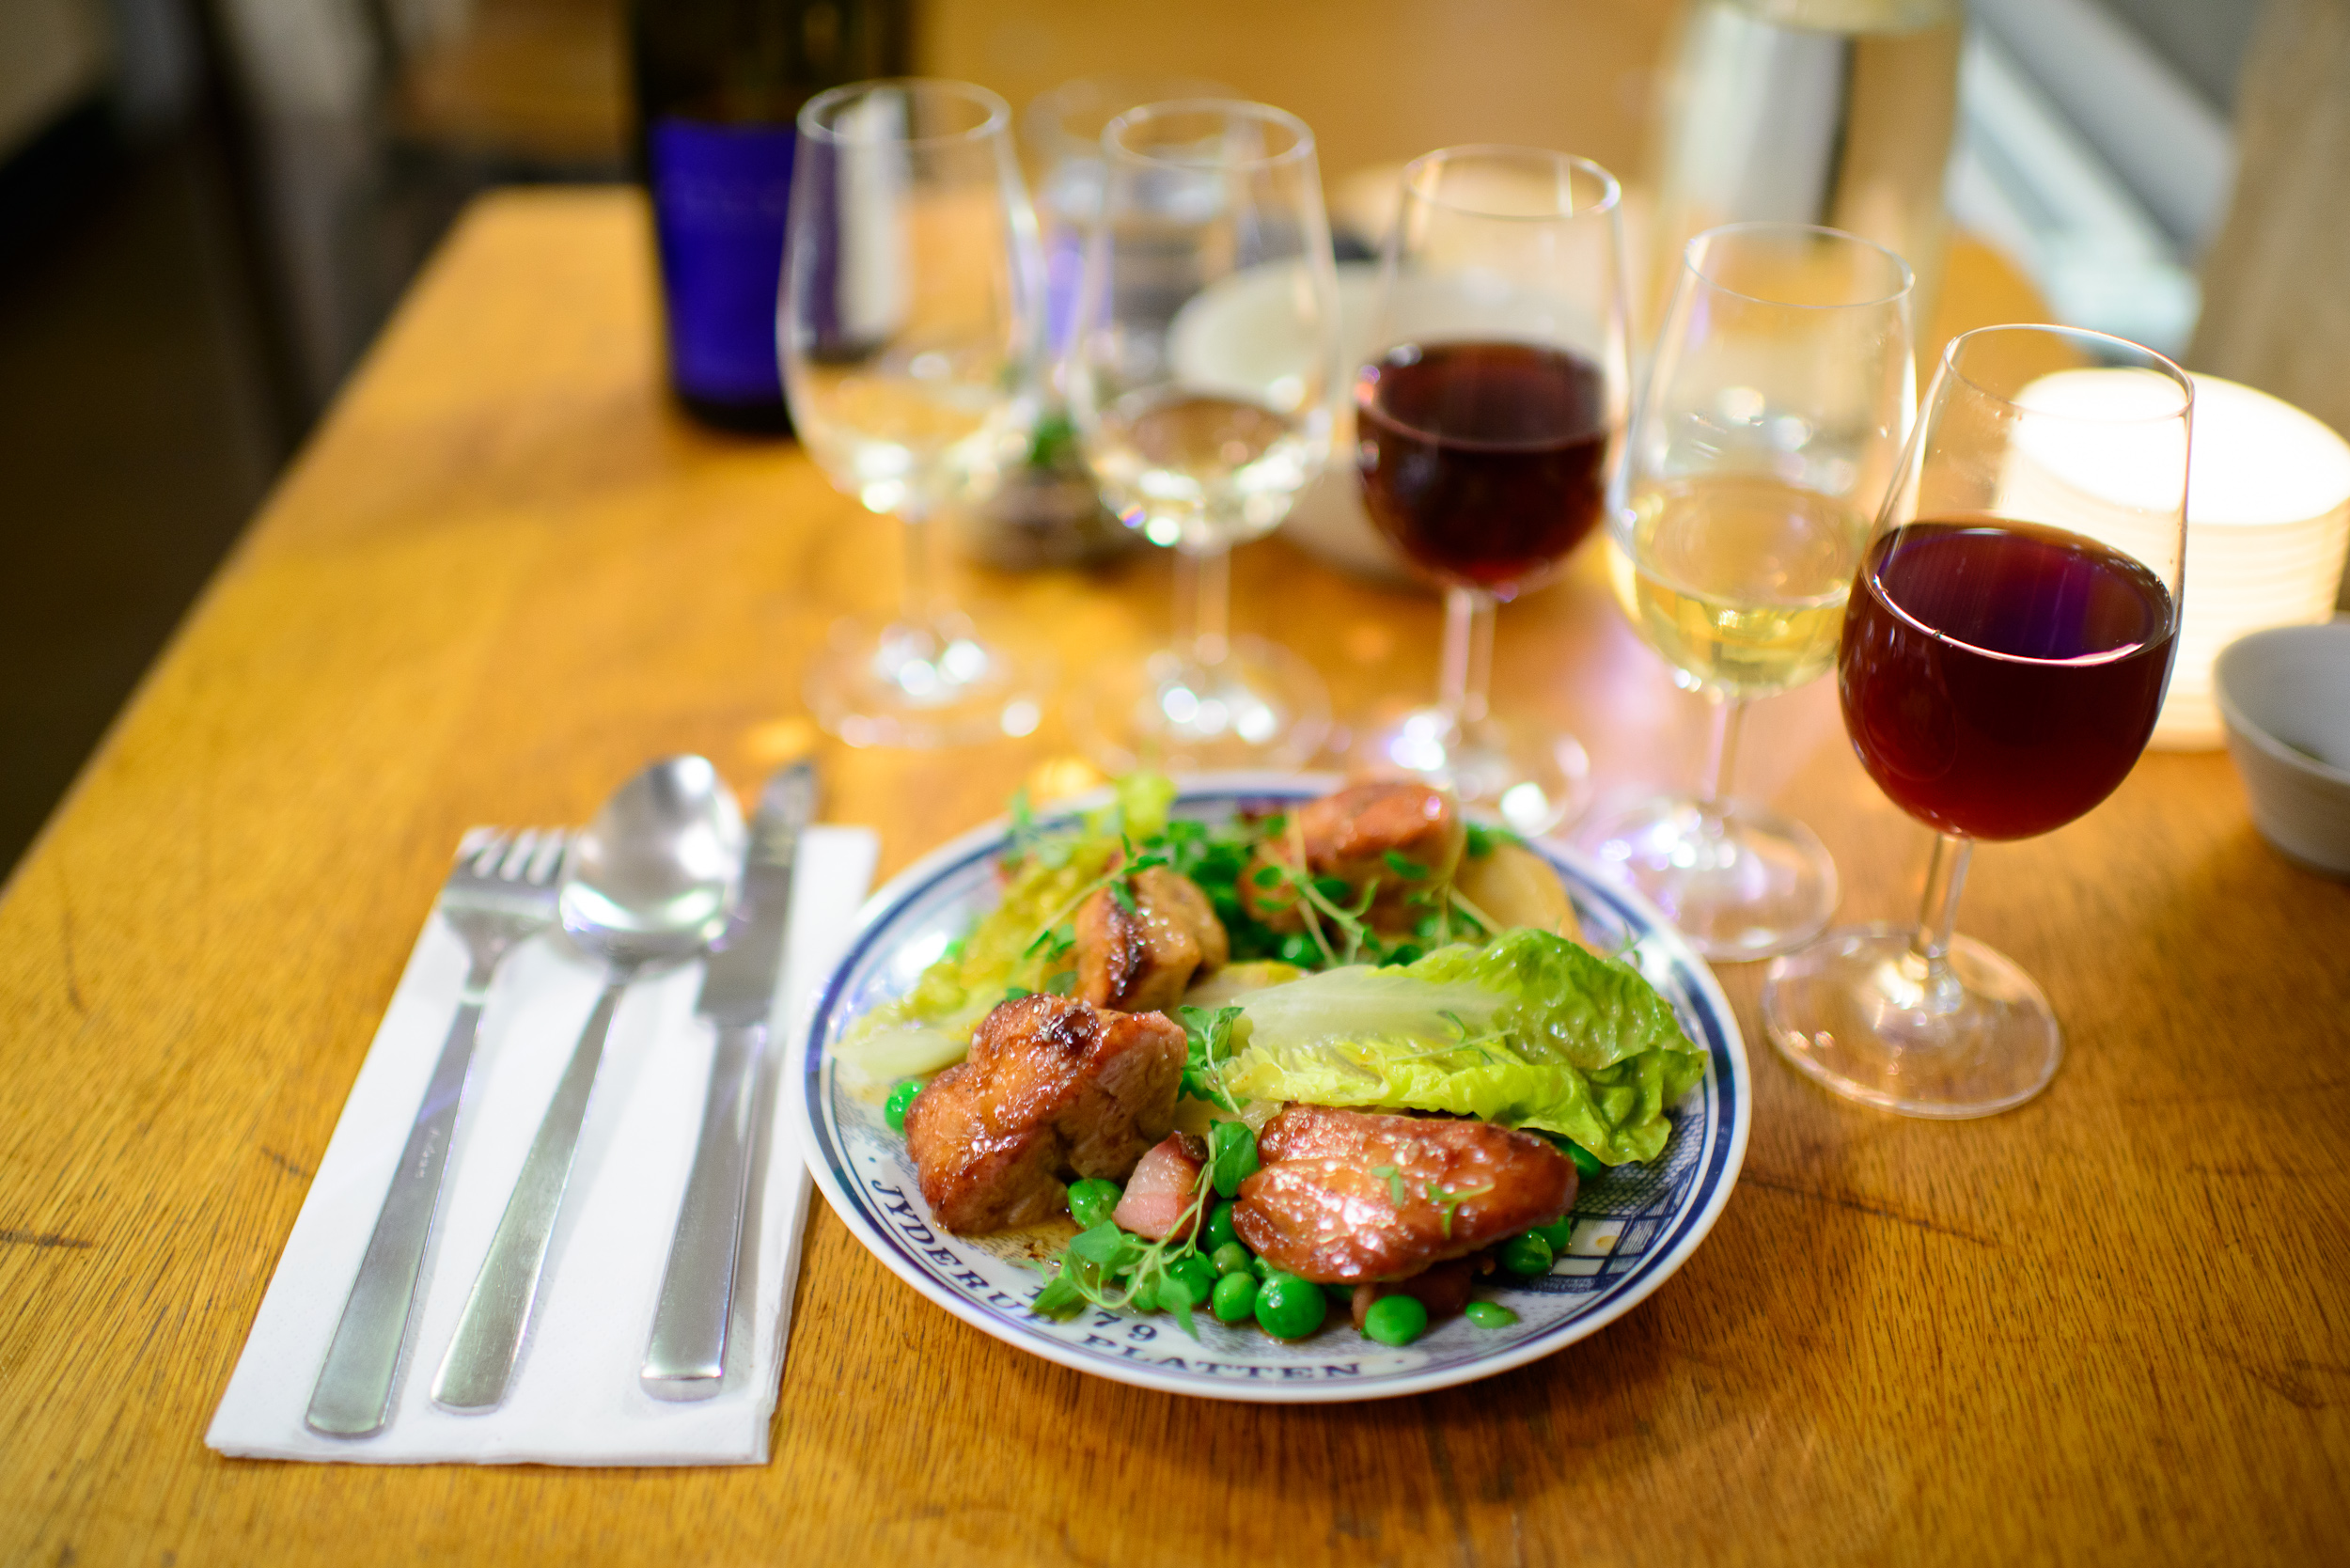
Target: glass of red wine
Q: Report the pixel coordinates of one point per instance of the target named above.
(1486, 423)
(2006, 645)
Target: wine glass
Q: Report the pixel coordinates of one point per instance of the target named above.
(908, 327)
(1782, 393)
(1202, 376)
(1063, 129)
(1486, 422)
(2005, 649)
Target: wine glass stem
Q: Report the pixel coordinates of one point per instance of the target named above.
(1721, 757)
(1203, 603)
(1467, 666)
(1928, 961)
(917, 600)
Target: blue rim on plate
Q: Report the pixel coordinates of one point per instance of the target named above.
(1633, 1225)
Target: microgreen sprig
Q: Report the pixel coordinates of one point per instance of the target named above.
(1117, 1271)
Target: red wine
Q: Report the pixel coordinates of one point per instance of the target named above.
(1485, 462)
(2000, 677)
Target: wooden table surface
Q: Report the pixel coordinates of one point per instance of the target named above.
(2110, 1325)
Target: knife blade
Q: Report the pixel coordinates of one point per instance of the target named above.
(685, 1356)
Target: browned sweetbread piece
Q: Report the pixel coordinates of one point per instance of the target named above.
(1348, 1196)
(1054, 1088)
(1406, 836)
(1139, 960)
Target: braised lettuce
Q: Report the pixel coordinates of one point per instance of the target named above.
(1528, 1030)
(1045, 869)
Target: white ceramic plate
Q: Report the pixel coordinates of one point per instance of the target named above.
(1633, 1225)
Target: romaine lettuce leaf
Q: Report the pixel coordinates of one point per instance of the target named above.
(1528, 1030)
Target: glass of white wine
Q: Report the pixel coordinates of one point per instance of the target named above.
(909, 329)
(1202, 377)
(1774, 416)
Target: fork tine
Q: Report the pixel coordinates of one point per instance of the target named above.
(517, 861)
(546, 865)
(471, 844)
(486, 853)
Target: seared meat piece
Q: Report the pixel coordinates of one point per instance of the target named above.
(1442, 1288)
(1053, 1089)
(1357, 1196)
(1349, 834)
(1161, 1188)
(1140, 960)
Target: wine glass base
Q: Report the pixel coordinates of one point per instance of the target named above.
(1534, 781)
(1854, 1012)
(920, 685)
(1260, 706)
(1738, 881)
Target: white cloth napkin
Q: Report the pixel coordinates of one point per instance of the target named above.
(576, 1399)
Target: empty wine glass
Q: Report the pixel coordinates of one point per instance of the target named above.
(2005, 650)
(908, 330)
(1780, 395)
(1063, 129)
(1486, 425)
(1203, 371)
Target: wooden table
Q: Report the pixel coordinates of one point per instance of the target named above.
(2107, 1326)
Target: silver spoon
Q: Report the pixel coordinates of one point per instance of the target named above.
(650, 883)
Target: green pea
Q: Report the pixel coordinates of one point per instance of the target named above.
(1220, 1229)
(1556, 1233)
(1288, 1308)
(1232, 1258)
(894, 1109)
(1490, 1314)
(1235, 1298)
(1526, 1254)
(1396, 1319)
(1586, 1164)
(1262, 1268)
(1299, 948)
(1092, 1200)
(1195, 1273)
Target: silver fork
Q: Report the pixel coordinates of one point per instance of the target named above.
(500, 892)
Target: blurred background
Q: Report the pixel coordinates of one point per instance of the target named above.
(208, 209)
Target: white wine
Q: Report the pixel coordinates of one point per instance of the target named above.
(1193, 468)
(905, 441)
(1741, 580)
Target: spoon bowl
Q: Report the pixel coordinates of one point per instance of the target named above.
(654, 877)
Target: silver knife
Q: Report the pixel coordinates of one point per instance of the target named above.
(686, 1358)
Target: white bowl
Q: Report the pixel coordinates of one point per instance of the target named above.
(2286, 697)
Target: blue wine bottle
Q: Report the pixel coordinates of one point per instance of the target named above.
(718, 82)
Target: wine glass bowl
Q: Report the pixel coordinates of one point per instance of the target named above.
(2005, 651)
(1781, 395)
(1486, 427)
(907, 327)
(1202, 375)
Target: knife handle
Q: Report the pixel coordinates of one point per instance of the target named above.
(686, 1358)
